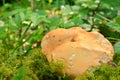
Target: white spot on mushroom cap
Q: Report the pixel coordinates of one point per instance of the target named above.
(70, 59)
(72, 56)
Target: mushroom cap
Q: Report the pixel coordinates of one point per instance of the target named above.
(78, 49)
(78, 58)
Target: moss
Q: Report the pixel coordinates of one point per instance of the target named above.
(35, 66)
(117, 58)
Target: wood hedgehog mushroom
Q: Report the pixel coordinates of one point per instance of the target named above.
(78, 49)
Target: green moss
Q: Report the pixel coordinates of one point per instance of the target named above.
(35, 66)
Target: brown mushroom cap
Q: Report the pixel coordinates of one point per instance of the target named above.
(77, 58)
(54, 39)
(77, 48)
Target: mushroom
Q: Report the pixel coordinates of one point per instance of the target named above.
(77, 49)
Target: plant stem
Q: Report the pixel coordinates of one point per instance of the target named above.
(20, 42)
(32, 4)
(103, 17)
(3, 2)
(93, 15)
(92, 26)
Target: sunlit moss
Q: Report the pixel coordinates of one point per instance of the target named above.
(35, 66)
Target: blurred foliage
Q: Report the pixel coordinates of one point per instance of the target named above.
(23, 23)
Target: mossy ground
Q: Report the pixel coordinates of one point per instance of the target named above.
(31, 67)
(35, 66)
